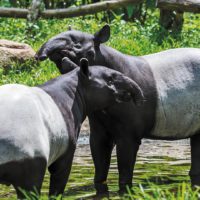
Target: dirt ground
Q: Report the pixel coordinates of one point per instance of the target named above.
(149, 150)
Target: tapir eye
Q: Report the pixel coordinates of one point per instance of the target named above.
(78, 46)
(90, 53)
(110, 82)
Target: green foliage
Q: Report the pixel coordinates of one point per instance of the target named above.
(30, 73)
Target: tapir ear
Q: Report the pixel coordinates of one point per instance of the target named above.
(102, 35)
(69, 28)
(84, 66)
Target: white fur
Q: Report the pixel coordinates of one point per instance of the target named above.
(31, 125)
(177, 76)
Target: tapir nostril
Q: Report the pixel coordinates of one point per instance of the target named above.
(36, 57)
(41, 58)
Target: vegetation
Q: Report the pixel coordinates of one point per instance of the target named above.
(153, 180)
(130, 38)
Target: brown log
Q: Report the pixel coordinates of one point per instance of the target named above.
(180, 5)
(70, 12)
(13, 12)
(88, 9)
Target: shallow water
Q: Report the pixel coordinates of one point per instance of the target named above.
(163, 163)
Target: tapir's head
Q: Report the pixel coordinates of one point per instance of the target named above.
(103, 87)
(74, 45)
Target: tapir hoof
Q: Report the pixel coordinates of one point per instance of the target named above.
(123, 189)
(99, 196)
(101, 188)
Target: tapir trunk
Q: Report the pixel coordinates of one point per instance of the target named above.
(136, 92)
(49, 48)
(41, 54)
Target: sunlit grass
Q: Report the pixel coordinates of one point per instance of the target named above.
(181, 192)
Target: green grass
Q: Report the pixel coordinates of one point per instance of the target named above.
(130, 38)
(183, 192)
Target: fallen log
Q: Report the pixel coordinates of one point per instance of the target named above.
(70, 12)
(88, 9)
(13, 12)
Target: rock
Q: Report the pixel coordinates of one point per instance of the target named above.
(14, 52)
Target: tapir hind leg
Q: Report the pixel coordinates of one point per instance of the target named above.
(26, 175)
(60, 171)
(195, 160)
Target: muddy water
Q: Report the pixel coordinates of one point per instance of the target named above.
(163, 163)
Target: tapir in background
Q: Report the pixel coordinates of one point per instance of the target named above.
(39, 126)
(170, 81)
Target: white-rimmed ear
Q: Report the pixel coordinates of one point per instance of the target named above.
(84, 67)
(102, 35)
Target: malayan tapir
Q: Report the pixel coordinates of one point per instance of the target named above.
(170, 81)
(39, 126)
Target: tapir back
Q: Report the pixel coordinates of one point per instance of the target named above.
(31, 125)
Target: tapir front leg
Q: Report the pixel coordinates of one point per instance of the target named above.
(60, 171)
(127, 148)
(195, 160)
(101, 145)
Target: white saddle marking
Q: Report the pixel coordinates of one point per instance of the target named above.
(31, 125)
(177, 76)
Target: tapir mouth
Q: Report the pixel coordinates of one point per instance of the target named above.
(69, 62)
(70, 55)
(40, 58)
(56, 55)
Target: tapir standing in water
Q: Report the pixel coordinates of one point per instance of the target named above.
(39, 126)
(170, 81)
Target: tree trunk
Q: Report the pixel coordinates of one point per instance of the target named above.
(180, 5)
(34, 10)
(171, 20)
